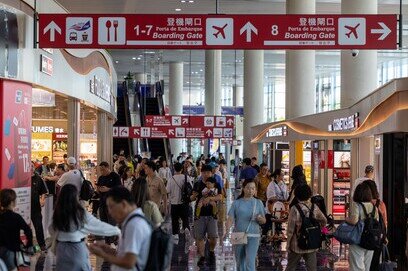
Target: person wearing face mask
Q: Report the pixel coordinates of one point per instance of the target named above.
(277, 189)
(247, 213)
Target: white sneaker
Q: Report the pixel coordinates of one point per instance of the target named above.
(181, 230)
(175, 236)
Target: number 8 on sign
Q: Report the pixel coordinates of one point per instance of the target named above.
(274, 30)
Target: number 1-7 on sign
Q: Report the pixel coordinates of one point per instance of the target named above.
(148, 28)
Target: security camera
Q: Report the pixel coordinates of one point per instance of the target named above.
(354, 52)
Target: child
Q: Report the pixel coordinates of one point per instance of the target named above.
(209, 191)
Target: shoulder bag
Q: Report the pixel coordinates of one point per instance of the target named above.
(349, 234)
(241, 238)
(387, 264)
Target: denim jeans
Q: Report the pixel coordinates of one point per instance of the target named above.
(245, 255)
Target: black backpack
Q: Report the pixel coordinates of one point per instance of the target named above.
(87, 189)
(186, 191)
(371, 238)
(161, 248)
(309, 236)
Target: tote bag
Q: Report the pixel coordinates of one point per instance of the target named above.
(349, 234)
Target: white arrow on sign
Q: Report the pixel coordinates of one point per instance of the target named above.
(52, 27)
(209, 132)
(230, 121)
(171, 132)
(185, 121)
(248, 28)
(384, 30)
(136, 132)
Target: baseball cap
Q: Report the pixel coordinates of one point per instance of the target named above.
(71, 161)
(369, 169)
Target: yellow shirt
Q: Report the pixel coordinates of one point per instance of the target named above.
(261, 186)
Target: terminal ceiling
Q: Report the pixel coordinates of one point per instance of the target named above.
(154, 62)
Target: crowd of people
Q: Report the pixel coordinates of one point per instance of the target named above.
(133, 197)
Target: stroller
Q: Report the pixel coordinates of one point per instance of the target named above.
(329, 229)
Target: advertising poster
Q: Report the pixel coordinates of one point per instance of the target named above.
(15, 100)
(59, 147)
(41, 145)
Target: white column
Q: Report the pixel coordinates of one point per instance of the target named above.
(74, 127)
(300, 70)
(238, 99)
(253, 97)
(358, 73)
(212, 86)
(176, 99)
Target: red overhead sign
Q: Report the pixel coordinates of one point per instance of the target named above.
(127, 31)
(172, 132)
(190, 121)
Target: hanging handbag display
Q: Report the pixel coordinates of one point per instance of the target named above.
(241, 238)
(387, 264)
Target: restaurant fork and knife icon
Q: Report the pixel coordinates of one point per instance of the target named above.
(115, 25)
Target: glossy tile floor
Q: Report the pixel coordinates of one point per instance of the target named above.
(270, 257)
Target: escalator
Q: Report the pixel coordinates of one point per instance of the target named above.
(123, 119)
(151, 103)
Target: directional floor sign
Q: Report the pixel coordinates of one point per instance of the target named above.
(173, 132)
(127, 31)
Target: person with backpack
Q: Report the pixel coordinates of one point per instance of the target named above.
(134, 243)
(362, 208)
(304, 230)
(382, 209)
(247, 213)
(179, 200)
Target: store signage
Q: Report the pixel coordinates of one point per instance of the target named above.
(162, 31)
(190, 121)
(231, 142)
(59, 136)
(46, 65)
(46, 129)
(343, 124)
(277, 131)
(172, 132)
(100, 88)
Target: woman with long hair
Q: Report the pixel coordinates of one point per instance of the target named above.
(299, 178)
(164, 171)
(71, 223)
(11, 224)
(127, 178)
(247, 213)
(277, 189)
(140, 192)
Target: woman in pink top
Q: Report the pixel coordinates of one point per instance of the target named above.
(375, 262)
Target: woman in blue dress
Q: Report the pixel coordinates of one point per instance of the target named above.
(247, 213)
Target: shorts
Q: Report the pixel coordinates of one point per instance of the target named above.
(203, 225)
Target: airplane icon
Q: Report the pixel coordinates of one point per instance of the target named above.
(353, 30)
(220, 31)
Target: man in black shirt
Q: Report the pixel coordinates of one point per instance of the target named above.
(38, 190)
(206, 222)
(106, 181)
(254, 164)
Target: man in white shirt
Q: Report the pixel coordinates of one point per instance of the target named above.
(134, 242)
(369, 175)
(178, 208)
(73, 176)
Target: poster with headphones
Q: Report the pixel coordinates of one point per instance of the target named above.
(15, 141)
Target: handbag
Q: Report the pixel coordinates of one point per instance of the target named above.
(387, 264)
(349, 234)
(241, 238)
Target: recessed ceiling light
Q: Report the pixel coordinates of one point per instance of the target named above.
(134, 58)
(116, 61)
(191, 1)
(178, 9)
(138, 58)
(183, 1)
